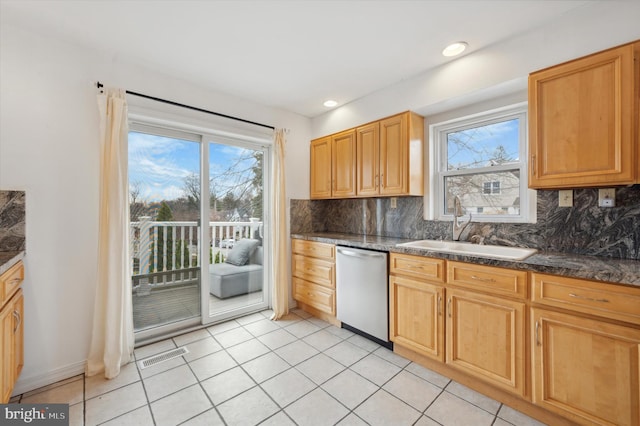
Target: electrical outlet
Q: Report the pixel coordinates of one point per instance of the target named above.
(565, 198)
(394, 202)
(607, 197)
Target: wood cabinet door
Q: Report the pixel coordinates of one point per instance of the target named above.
(416, 316)
(486, 338)
(394, 155)
(368, 165)
(321, 168)
(343, 164)
(581, 118)
(6, 353)
(18, 335)
(584, 369)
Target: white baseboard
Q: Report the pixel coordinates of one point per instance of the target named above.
(29, 383)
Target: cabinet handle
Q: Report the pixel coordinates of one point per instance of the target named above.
(449, 307)
(17, 316)
(590, 299)
(538, 333)
(14, 281)
(377, 181)
(486, 280)
(382, 180)
(439, 305)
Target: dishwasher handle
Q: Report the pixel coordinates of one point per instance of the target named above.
(359, 254)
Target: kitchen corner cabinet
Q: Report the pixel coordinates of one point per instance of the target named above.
(321, 168)
(12, 327)
(583, 121)
(416, 298)
(314, 278)
(586, 369)
(333, 166)
(585, 358)
(382, 158)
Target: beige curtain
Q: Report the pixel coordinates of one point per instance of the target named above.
(280, 277)
(112, 339)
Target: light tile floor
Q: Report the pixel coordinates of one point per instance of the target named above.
(300, 370)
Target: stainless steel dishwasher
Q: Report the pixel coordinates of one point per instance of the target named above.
(362, 293)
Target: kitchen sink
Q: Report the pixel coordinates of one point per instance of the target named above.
(469, 249)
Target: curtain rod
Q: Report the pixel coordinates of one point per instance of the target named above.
(165, 101)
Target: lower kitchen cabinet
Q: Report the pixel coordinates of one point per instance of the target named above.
(313, 271)
(486, 338)
(416, 298)
(586, 369)
(11, 329)
(416, 316)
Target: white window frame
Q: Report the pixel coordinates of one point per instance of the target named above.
(438, 164)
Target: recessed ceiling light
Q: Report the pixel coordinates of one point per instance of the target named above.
(330, 103)
(455, 48)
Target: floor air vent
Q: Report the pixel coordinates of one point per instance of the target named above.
(165, 356)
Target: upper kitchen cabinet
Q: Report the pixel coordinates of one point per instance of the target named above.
(583, 121)
(401, 158)
(382, 158)
(343, 164)
(321, 168)
(333, 166)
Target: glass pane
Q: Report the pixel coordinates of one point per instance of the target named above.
(483, 146)
(485, 193)
(236, 270)
(164, 206)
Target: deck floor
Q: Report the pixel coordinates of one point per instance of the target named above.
(165, 306)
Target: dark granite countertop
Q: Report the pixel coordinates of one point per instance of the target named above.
(9, 258)
(607, 269)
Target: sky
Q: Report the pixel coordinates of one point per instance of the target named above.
(158, 165)
(482, 143)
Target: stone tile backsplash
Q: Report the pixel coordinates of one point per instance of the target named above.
(584, 228)
(12, 221)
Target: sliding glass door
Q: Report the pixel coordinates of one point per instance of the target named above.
(197, 228)
(238, 272)
(164, 230)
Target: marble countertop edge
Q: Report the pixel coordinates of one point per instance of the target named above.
(10, 258)
(605, 269)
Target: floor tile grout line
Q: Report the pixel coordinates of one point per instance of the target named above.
(475, 405)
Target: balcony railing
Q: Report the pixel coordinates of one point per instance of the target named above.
(164, 253)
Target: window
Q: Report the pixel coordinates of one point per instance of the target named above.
(482, 160)
(491, 187)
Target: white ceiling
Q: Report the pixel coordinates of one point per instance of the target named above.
(286, 54)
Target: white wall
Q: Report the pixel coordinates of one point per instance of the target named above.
(49, 148)
(495, 71)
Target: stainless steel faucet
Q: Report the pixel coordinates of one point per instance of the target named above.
(458, 227)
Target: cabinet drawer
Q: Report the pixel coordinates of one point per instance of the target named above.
(489, 279)
(608, 300)
(417, 267)
(316, 296)
(315, 270)
(11, 280)
(314, 249)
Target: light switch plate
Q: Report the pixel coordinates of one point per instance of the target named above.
(394, 202)
(607, 197)
(565, 198)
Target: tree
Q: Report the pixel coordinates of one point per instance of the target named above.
(256, 202)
